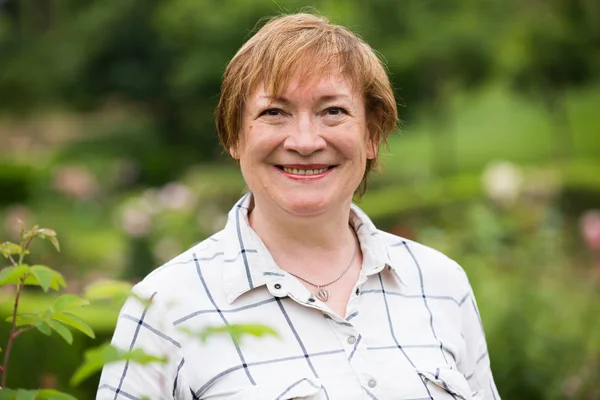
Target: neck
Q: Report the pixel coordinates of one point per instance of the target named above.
(298, 242)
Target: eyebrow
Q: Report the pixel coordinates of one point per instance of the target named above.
(322, 99)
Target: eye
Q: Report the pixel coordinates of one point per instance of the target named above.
(271, 112)
(335, 111)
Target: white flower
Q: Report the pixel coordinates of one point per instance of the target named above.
(502, 182)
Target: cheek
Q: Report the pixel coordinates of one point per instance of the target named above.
(259, 145)
(264, 141)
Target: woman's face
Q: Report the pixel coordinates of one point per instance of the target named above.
(304, 151)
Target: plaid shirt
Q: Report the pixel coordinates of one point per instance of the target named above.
(412, 330)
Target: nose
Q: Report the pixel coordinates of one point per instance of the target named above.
(304, 136)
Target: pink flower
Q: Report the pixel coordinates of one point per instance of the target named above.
(590, 228)
(76, 182)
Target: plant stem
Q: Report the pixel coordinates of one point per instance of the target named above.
(24, 249)
(11, 336)
(13, 333)
(12, 260)
(20, 331)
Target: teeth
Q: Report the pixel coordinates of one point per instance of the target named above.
(297, 171)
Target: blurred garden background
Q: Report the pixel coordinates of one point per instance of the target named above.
(107, 136)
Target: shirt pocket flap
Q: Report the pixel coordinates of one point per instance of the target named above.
(283, 390)
(451, 381)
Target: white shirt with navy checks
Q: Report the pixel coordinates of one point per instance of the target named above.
(412, 330)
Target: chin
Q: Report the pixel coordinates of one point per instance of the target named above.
(304, 205)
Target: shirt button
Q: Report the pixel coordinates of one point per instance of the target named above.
(277, 286)
(357, 291)
(351, 339)
(372, 383)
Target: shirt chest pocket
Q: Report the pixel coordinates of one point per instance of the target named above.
(307, 389)
(446, 381)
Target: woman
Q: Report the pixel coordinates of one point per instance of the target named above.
(360, 313)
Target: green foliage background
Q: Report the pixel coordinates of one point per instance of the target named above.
(107, 136)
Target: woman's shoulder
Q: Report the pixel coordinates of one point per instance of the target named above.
(177, 273)
(423, 262)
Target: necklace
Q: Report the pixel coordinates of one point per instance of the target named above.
(321, 293)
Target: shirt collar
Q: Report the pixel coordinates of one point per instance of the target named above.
(248, 264)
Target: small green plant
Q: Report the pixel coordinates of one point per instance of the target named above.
(57, 318)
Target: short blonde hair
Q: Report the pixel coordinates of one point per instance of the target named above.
(310, 45)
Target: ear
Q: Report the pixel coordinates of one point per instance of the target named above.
(372, 141)
(234, 153)
(371, 149)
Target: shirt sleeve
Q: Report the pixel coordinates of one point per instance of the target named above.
(476, 363)
(143, 324)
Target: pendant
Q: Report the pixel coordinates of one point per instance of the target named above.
(322, 294)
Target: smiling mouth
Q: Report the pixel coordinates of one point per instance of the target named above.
(304, 171)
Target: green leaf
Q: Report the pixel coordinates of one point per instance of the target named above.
(237, 331)
(13, 275)
(51, 394)
(44, 232)
(26, 394)
(113, 290)
(8, 394)
(45, 277)
(49, 234)
(62, 330)
(44, 394)
(139, 356)
(8, 248)
(75, 322)
(55, 243)
(94, 360)
(97, 357)
(256, 330)
(68, 301)
(43, 327)
(25, 319)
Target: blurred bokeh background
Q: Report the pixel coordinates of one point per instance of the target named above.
(107, 136)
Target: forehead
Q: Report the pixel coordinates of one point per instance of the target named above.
(302, 88)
